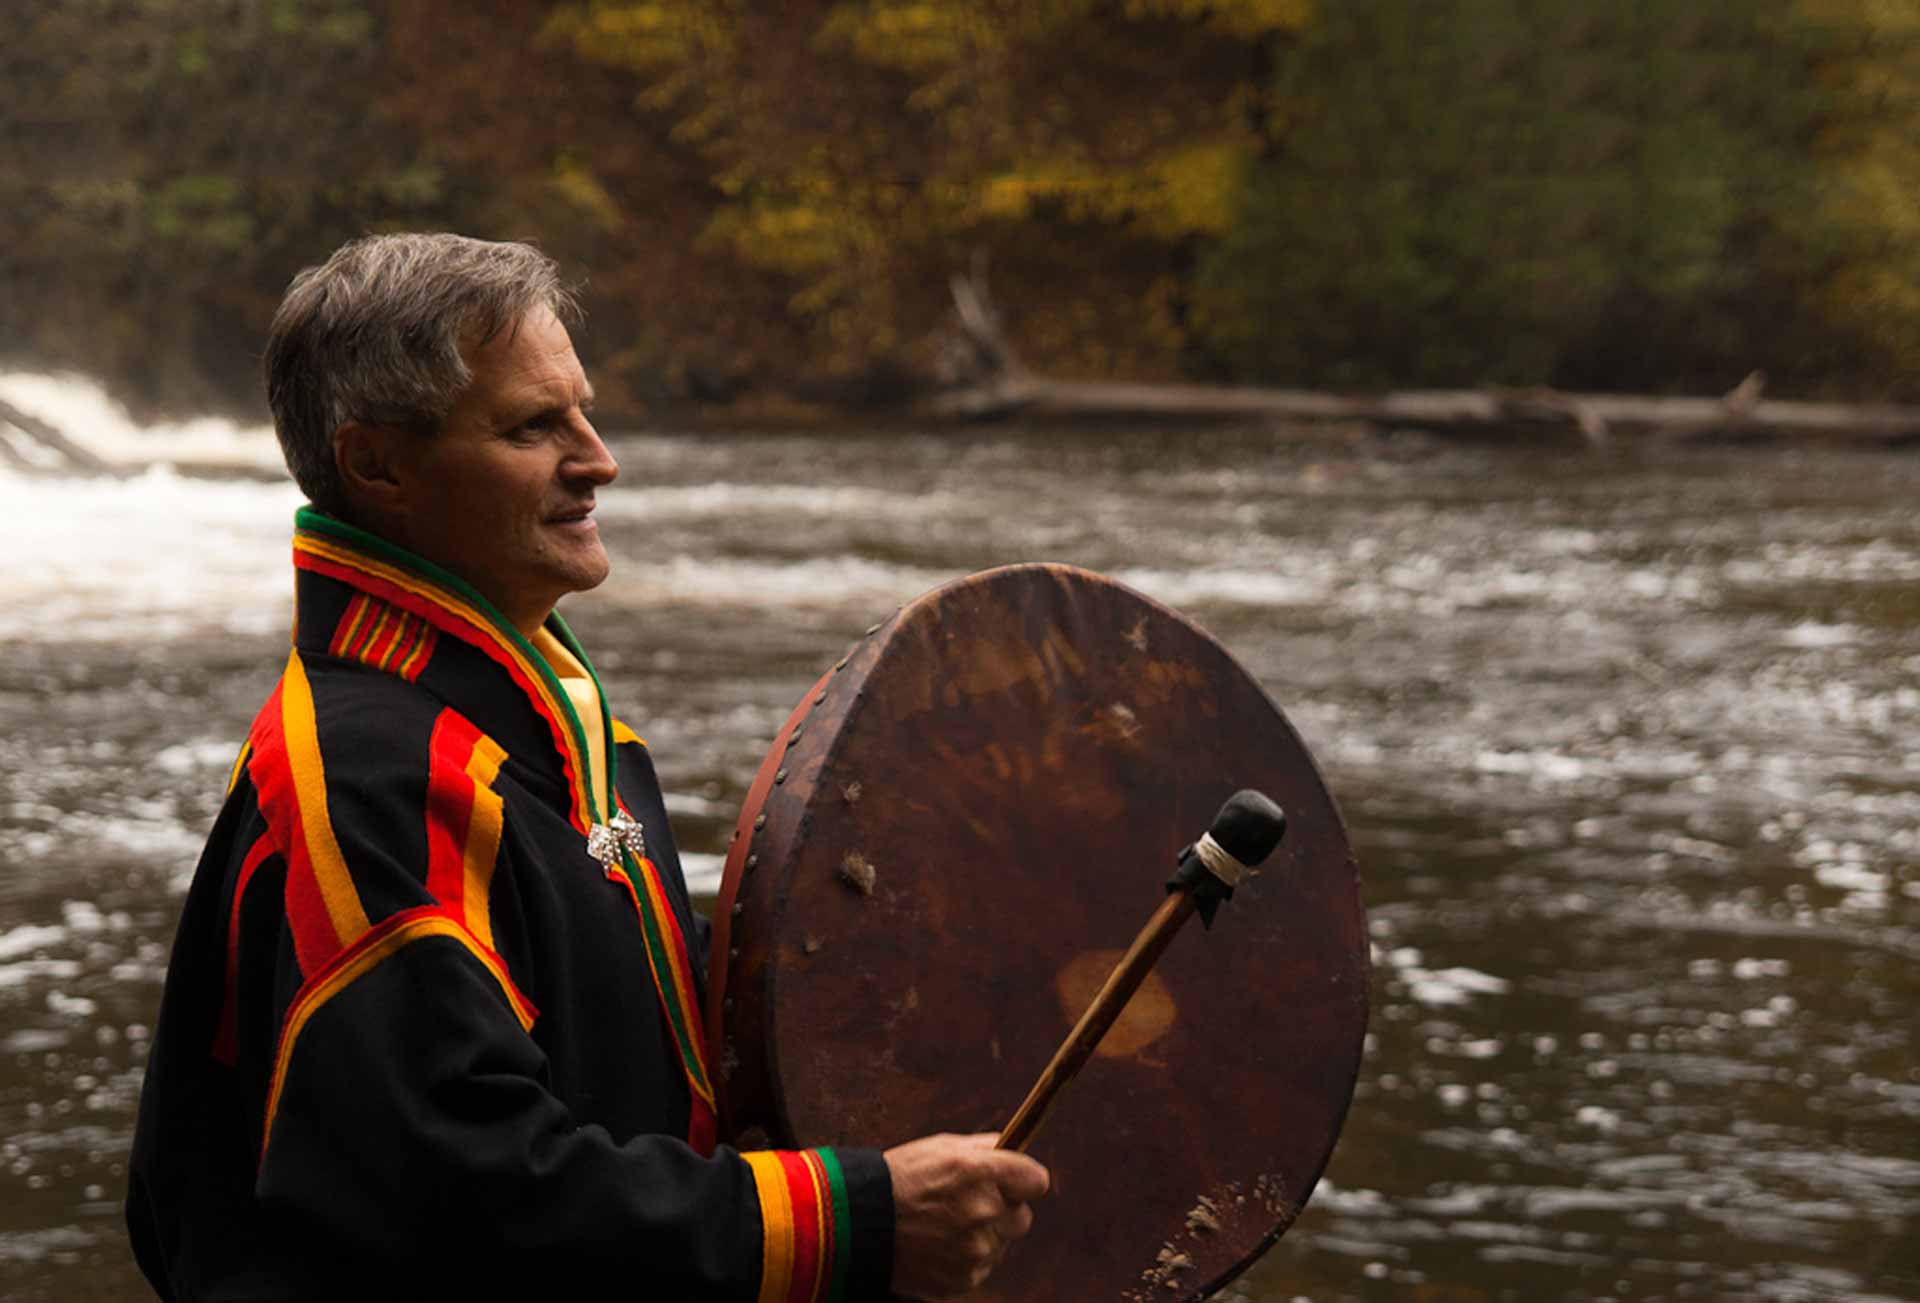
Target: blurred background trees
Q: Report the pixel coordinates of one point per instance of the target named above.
(766, 200)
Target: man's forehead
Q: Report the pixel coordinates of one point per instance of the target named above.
(529, 365)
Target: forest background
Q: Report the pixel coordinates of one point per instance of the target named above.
(765, 202)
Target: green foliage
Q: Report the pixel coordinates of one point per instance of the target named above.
(175, 167)
(1615, 194)
(1495, 190)
(859, 150)
(1865, 227)
(203, 207)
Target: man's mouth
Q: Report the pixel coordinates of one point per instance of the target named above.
(581, 515)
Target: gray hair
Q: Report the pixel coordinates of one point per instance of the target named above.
(374, 334)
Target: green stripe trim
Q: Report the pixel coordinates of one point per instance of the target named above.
(842, 1225)
(314, 521)
(558, 627)
(657, 946)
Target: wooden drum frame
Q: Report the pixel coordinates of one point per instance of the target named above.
(949, 844)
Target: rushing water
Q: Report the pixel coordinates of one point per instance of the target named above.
(1627, 743)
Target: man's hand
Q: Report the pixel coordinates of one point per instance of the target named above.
(957, 1203)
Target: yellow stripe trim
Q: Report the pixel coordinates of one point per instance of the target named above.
(408, 620)
(310, 791)
(776, 1227)
(356, 612)
(332, 982)
(239, 765)
(440, 597)
(678, 973)
(483, 839)
(621, 733)
(423, 639)
(373, 632)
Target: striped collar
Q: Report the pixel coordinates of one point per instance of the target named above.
(442, 605)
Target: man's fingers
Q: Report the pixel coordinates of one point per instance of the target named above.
(1014, 1223)
(958, 1203)
(1020, 1178)
(982, 1206)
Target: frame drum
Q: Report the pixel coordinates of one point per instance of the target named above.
(950, 844)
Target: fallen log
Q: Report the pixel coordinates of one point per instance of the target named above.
(1594, 416)
(13, 457)
(75, 457)
(986, 381)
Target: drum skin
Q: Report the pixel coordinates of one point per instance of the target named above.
(953, 839)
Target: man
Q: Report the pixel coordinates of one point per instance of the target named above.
(430, 1026)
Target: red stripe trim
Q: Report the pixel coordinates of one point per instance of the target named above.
(314, 941)
(702, 1120)
(349, 626)
(375, 633)
(449, 809)
(226, 1037)
(403, 646)
(432, 610)
(422, 652)
(680, 959)
(678, 953)
(703, 1128)
(805, 1195)
(382, 648)
(370, 630)
(381, 635)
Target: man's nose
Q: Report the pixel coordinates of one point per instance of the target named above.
(591, 460)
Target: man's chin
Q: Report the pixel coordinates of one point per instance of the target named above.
(590, 572)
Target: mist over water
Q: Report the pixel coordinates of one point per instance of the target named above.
(1627, 745)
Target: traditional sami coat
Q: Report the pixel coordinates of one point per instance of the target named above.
(416, 1040)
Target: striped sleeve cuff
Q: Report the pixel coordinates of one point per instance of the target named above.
(826, 1221)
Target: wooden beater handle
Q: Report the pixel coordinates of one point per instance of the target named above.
(1085, 1037)
(1242, 835)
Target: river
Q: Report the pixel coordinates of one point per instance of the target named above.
(1629, 745)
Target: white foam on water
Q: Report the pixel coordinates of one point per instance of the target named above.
(27, 938)
(1452, 986)
(71, 1006)
(1811, 634)
(155, 556)
(88, 415)
(1546, 766)
(17, 974)
(198, 756)
(1226, 587)
(693, 805)
(721, 498)
(685, 580)
(703, 872)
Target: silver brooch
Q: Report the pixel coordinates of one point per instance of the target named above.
(605, 841)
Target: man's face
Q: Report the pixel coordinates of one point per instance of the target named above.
(502, 496)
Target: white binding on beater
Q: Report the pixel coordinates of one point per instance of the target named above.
(1214, 857)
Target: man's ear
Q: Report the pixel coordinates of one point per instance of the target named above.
(368, 460)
